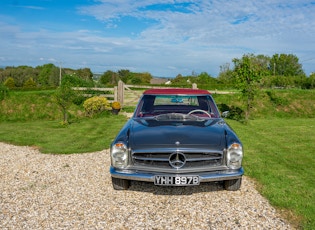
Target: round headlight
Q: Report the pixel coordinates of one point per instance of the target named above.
(119, 155)
(234, 156)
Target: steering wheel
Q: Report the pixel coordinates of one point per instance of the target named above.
(199, 110)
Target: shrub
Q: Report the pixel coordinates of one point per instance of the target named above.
(76, 81)
(95, 105)
(9, 82)
(234, 112)
(30, 83)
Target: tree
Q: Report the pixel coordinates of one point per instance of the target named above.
(285, 65)
(179, 79)
(205, 78)
(145, 77)
(20, 74)
(248, 71)
(49, 75)
(64, 97)
(85, 74)
(75, 81)
(226, 74)
(310, 82)
(124, 75)
(135, 80)
(109, 77)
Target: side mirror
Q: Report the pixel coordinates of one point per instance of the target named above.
(225, 114)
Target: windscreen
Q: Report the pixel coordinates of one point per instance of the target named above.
(152, 105)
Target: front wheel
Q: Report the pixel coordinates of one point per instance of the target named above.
(233, 185)
(120, 184)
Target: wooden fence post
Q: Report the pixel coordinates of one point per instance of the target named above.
(120, 95)
(115, 93)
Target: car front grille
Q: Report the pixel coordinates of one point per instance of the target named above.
(192, 159)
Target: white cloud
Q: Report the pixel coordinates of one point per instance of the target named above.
(219, 22)
(200, 37)
(31, 7)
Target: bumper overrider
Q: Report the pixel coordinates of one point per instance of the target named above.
(150, 176)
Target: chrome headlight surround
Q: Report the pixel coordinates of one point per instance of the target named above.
(234, 156)
(119, 155)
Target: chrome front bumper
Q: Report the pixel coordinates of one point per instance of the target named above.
(204, 177)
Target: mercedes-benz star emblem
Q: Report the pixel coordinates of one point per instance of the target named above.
(177, 160)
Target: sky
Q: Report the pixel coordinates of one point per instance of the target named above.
(162, 37)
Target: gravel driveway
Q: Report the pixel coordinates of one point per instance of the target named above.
(45, 191)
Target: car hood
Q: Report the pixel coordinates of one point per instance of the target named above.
(177, 134)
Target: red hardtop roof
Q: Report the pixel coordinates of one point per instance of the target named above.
(170, 91)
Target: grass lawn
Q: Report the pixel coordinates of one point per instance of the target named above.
(279, 153)
(85, 135)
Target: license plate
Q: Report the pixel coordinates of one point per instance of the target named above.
(176, 180)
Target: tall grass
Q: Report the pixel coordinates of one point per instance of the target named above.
(29, 105)
(34, 106)
(275, 103)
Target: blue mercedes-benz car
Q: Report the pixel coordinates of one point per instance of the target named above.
(176, 137)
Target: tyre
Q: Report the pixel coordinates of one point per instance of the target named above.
(120, 184)
(233, 185)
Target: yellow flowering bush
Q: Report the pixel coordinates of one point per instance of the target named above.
(95, 105)
(116, 105)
